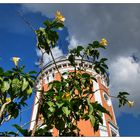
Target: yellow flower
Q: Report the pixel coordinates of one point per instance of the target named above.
(15, 60)
(59, 16)
(66, 95)
(103, 42)
(130, 103)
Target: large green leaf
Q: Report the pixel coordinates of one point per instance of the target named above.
(5, 86)
(47, 23)
(100, 109)
(25, 84)
(29, 90)
(16, 84)
(90, 106)
(92, 119)
(71, 58)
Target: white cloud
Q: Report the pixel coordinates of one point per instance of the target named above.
(47, 58)
(73, 42)
(125, 76)
(119, 23)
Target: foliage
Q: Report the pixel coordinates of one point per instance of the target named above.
(122, 97)
(68, 100)
(15, 88)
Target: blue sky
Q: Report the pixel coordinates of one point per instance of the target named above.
(118, 23)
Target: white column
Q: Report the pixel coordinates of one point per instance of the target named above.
(35, 109)
(97, 95)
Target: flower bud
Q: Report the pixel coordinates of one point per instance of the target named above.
(103, 42)
(130, 103)
(15, 60)
(59, 16)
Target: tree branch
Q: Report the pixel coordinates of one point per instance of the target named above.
(2, 110)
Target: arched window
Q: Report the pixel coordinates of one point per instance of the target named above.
(107, 99)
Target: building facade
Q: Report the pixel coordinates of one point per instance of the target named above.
(109, 127)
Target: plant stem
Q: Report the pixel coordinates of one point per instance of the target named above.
(55, 62)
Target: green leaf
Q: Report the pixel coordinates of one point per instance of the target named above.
(24, 132)
(95, 43)
(85, 116)
(101, 110)
(1, 71)
(71, 58)
(47, 23)
(25, 84)
(96, 126)
(5, 86)
(90, 106)
(92, 119)
(12, 133)
(85, 75)
(52, 109)
(50, 103)
(103, 60)
(58, 25)
(32, 72)
(66, 110)
(123, 93)
(16, 84)
(60, 124)
(78, 50)
(93, 78)
(9, 134)
(43, 132)
(59, 104)
(29, 90)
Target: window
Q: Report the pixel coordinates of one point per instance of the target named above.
(104, 80)
(113, 129)
(59, 66)
(65, 76)
(90, 66)
(48, 78)
(64, 65)
(50, 70)
(107, 99)
(86, 65)
(113, 134)
(81, 64)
